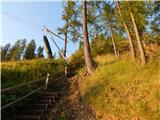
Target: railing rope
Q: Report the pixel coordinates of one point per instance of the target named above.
(21, 98)
(34, 91)
(21, 85)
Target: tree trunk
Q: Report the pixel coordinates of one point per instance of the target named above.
(132, 50)
(113, 42)
(87, 53)
(65, 45)
(65, 40)
(140, 46)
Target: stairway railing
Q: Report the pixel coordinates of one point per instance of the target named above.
(44, 86)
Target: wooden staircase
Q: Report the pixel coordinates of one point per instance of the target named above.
(37, 107)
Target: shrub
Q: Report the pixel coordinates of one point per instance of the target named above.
(100, 46)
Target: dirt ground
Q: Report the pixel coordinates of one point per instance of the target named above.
(73, 108)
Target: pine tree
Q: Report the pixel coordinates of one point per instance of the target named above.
(132, 50)
(17, 50)
(40, 52)
(108, 16)
(30, 50)
(71, 23)
(87, 53)
(4, 51)
(139, 41)
(47, 47)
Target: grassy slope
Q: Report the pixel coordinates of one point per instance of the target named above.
(13, 73)
(122, 89)
(22, 71)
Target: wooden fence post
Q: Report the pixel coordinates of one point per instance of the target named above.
(65, 72)
(47, 81)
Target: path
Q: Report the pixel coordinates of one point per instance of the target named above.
(74, 108)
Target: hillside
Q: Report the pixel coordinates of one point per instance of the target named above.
(13, 73)
(120, 89)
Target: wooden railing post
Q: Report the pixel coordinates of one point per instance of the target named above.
(47, 81)
(65, 72)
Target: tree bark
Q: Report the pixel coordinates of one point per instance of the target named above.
(65, 45)
(113, 42)
(91, 65)
(65, 40)
(132, 50)
(140, 46)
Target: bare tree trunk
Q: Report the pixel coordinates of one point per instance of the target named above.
(140, 46)
(65, 45)
(65, 40)
(87, 53)
(132, 50)
(113, 42)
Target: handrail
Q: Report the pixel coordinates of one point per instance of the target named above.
(58, 78)
(21, 98)
(20, 85)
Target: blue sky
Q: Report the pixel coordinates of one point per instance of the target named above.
(26, 19)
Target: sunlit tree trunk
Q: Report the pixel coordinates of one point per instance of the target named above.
(132, 50)
(87, 53)
(113, 42)
(140, 46)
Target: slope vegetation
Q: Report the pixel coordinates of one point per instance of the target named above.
(122, 90)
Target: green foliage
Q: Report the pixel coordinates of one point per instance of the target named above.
(4, 52)
(139, 10)
(13, 73)
(40, 52)
(77, 60)
(149, 38)
(17, 50)
(47, 46)
(124, 90)
(100, 45)
(72, 24)
(30, 50)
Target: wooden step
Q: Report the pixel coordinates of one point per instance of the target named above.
(34, 111)
(39, 106)
(45, 101)
(50, 94)
(60, 92)
(52, 98)
(28, 117)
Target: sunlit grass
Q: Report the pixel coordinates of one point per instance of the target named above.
(124, 90)
(13, 73)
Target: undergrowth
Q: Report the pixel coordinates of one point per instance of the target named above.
(121, 89)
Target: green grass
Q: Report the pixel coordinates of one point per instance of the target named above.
(123, 89)
(13, 73)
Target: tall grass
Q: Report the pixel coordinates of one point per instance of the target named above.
(13, 73)
(124, 90)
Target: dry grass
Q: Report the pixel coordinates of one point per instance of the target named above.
(123, 90)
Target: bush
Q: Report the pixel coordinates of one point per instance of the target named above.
(77, 60)
(100, 46)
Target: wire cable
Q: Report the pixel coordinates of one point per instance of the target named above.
(58, 48)
(22, 20)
